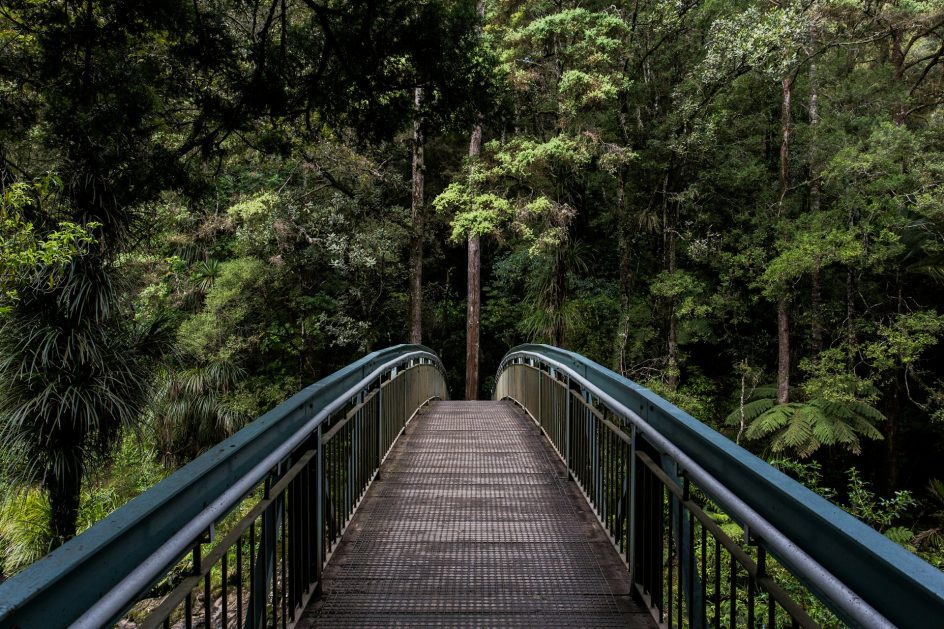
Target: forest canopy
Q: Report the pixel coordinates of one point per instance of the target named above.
(208, 205)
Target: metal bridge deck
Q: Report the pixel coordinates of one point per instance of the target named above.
(473, 523)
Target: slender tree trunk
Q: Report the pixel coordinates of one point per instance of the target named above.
(783, 315)
(786, 126)
(816, 294)
(419, 227)
(64, 490)
(626, 277)
(472, 320)
(672, 370)
(669, 220)
(559, 298)
(850, 306)
(892, 413)
(474, 279)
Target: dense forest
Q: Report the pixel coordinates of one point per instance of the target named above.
(209, 204)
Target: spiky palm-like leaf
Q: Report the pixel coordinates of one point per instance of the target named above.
(74, 371)
(191, 410)
(205, 274)
(550, 315)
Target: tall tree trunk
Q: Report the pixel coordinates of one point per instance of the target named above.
(816, 294)
(786, 126)
(474, 279)
(672, 369)
(419, 227)
(669, 220)
(783, 315)
(892, 416)
(472, 320)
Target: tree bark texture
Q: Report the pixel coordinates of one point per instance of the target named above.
(786, 126)
(419, 227)
(474, 280)
(783, 316)
(473, 311)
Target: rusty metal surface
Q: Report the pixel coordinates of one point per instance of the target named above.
(473, 523)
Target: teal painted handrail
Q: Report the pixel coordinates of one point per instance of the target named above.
(64, 585)
(870, 572)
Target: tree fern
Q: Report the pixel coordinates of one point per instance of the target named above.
(802, 428)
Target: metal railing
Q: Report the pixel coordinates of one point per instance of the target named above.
(675, 496)
(238, 537)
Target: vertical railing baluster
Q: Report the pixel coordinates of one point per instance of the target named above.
(319, 522)
(751, 591)
(732, 592)
(207, 600)
(224, 595)
(717, 596)
(285, 585)
(239, 583)
(670, 545)
(703, 612)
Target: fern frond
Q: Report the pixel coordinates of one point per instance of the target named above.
(844, 434)
(751, 410)
(769, 421)
(865, 428)
(867, 411)
(797, 432)
(763, 391)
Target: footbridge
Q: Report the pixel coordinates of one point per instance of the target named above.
(575, 498)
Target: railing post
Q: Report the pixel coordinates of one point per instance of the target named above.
(265, 560)
(380, 424)
(596, 476)
(319, 522)
(631, 506)
(567, 397)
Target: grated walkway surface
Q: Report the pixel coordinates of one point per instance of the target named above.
(473, 523)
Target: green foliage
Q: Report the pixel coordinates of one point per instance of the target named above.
(902, 342)
(804, 427)
(193, 410)
(697, 395)
(248, 189)
(236, 294)
(26, 255)
(879, 513)
(24, 528)
(25, 534)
